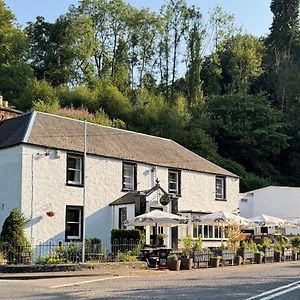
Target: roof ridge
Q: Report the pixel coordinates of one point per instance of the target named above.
(108, 127)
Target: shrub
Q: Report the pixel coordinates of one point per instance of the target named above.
(296, 242)
(16, 248)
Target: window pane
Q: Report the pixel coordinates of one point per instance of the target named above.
(174, 182)
(73, 230)
(210, 232)
(122, 217)
(128, 176)
(195, 231)
(74, 172)
(73, 215)
(220, 188)
(205, 231)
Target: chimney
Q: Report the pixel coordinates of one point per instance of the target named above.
(1, 100)
(5, 104)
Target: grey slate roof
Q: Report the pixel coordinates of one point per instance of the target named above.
(58, 132)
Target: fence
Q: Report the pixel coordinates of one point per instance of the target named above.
(68, 252)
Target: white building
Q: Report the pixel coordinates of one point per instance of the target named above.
(277, 201)
(126, 173)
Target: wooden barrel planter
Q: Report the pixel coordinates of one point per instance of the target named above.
(173, 264)
(277, 256)
(258, 257)
(215, 261)
(186, 263)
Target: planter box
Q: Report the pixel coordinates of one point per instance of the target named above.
(247, 255)
(226, 255)
(269, 255)
(174, 265)
(287, 254)
(186, 263)
(201, 258)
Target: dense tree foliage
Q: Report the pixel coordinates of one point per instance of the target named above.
(228, 96)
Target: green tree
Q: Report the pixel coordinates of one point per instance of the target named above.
(14, 69)
(282, 57)
(51, 57)
(240, 62)
(194, 56)
(247, 130)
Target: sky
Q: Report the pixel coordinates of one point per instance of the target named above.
(254, 16)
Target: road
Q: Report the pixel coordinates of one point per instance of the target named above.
(253, 282)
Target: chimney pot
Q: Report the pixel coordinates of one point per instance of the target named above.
(5, 103)
(1, 100)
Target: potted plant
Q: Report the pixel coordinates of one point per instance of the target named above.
(215, 261)
(173, 263)
(258, 257)
(160, 238)
(246, 252)
(277, 252)
(296, 245)
(187, 250)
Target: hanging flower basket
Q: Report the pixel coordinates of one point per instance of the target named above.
(50, 213)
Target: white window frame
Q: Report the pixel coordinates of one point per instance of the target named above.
(129, 185)
(79, 222)
(175, 182)
(220, 188)
(200, 229)
(79, 170)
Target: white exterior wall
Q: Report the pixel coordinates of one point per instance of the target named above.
(277, 201)
(10, 181)
(282, 202)
(103, 180)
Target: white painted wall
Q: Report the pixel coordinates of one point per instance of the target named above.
(10, 181)
(103, 186)
(277, 201)
(282, 202)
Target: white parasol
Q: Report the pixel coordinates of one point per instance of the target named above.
(223, 218)
(157, 218)
(270, 221)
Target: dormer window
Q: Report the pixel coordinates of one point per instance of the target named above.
(129, 181)
(175, 182)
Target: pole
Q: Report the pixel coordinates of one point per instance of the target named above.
(84, 192)
(31, 202)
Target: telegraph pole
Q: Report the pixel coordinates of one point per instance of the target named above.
(84, 191)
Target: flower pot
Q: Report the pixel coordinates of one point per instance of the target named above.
(238, 260)
(258, 258)
(215, 262)
(174, 265)
(186, 263)
(277, 256)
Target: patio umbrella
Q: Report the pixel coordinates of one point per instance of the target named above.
(157, 218)
(270, 221)
(223, 218)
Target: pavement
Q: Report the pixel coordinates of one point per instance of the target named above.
(86, 270)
